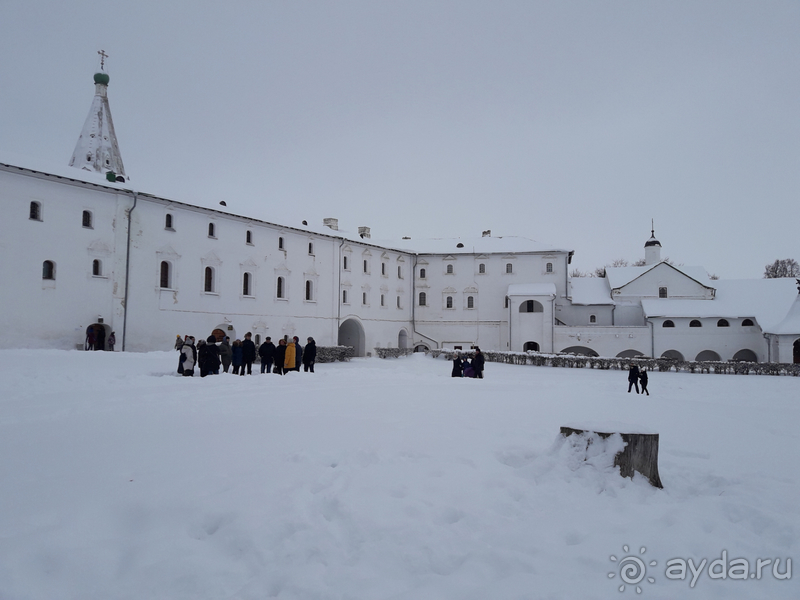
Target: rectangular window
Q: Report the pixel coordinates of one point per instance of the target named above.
(662, 292)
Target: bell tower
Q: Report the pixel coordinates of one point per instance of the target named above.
(652, 248)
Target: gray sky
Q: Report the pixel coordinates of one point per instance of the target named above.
(572, 123)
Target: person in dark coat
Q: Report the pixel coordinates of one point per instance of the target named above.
(208, 357)
(267, 353)
(458, 367)
(90, 338)
(309, 355)
(237, 357)
(100, 338)
(643, 381)
(633, 378)
(112, 339)
(280, 356)
(478, 363)
(248, 354)
(298, 354)
(225, 353)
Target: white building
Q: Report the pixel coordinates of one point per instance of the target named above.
(81, 247)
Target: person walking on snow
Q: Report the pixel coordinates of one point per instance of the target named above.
(309, 355)
(643, 380)
(633, 378)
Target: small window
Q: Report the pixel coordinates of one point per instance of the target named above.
(344, 296)
(549, 267)
(168, 221)
(398, 302)
(662, 292)
(592, 318)
(399, 272)
(449, 302)
(211, 230)
(668, 323)
(747, 323)
(482, 268)
(87, 219)
(506, 303)
(344, 263)
(48, 270)
(470, 302)
(383, 300)
(422, 273)
(246, 284)
(311, 248)
(364, 298)
(280, 292)
(423, 298)
(383, 269)
(280, 243)
(695, 323)
(209, 280)
(366, 265)
(97, 268)
(248, 237)
(449, 269)
(164, 282)
(309, 290)
(36, 211)
(509, 268)
(723, 323)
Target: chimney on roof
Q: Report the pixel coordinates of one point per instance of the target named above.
(487, 233)
(364, 232)
(331, 222)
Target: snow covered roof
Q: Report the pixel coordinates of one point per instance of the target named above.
(532, 289)
(621, 276)
(590, 290)
(790, 323)
(473, 245)
(768, 300)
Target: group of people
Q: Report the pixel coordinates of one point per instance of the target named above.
(635, 377)
(208, 355)
(462, 367)
(96, 339)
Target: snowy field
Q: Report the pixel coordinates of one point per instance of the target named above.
(384, 479)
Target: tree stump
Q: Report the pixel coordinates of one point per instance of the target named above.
(640, 453)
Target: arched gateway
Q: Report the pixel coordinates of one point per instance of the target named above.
(351, 333)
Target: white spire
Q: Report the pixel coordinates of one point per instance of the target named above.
(97, 149)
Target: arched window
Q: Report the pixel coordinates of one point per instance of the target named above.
(344, 296)
(423, 298)
(482, 268)
(211, 230)
(592, 318)
(364, 298)
(97, 268)
(695, 323)
(48, 270)
(399, 272)
(422, 273)
(36, 211)
(531, 306)
(366, 270)
(662, 292)
(87, 219)
(311, 247)
(168, 221)
(723, 323)
(747, 323)
(383, 268)
(449, 269)
(209, 280)
(280, 292)
(309, 290)
(509, 268)
(344, 263)
(164, 282)
(383, 300)
(668, 323)
(549, 267)
(246, 284)
(449, 302)
(470, 302)
(398, 302)
(248, 237)
(280, 243)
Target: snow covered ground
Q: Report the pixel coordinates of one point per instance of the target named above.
(383, 479)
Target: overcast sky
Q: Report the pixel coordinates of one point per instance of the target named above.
(572, 123)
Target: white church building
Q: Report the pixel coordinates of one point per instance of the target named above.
(82, 248)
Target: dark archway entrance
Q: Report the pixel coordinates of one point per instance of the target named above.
(530, 346)
(96, 335)
(351, 333)
(581, 350)
(796, 352)
(402, 339)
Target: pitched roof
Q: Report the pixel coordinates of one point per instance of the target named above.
(619, 277)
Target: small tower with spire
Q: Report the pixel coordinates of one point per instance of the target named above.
(97, 149)
(652, 247)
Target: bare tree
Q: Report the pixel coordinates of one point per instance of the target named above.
(786, 267)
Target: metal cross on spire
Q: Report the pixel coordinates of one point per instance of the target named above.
(103, 57)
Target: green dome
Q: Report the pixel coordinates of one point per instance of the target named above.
(101, 78)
